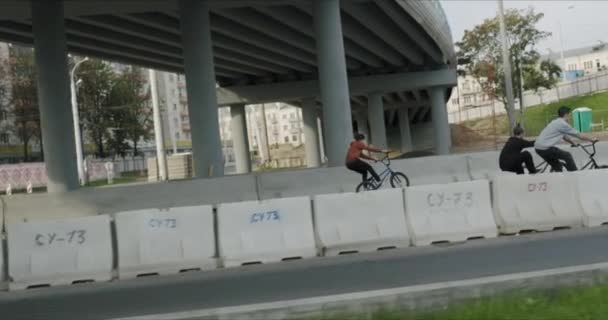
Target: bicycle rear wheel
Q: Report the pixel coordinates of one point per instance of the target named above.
(399, 180)
(366, 186)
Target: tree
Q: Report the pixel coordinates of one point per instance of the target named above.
(481, 54)
(545, 76)
(24, 98)
(131, 112)
(93, 101)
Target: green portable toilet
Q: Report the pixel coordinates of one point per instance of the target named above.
(582, 119)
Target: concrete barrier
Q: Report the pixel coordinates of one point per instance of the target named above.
(113, 199)
(434, 170)
(591, 195)
(160, 242)
(265, 231)
(307, 182)
(541, 202)
(450, 212)
(59, 252)
(483, 165)
(360, 222)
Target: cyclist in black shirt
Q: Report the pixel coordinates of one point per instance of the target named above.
(512, 158)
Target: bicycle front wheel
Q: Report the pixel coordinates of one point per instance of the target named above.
(366, 186)
(399, 180)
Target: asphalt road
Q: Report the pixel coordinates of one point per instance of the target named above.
(309, 278)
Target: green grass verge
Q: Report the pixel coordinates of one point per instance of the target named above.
(537, 117)
(579, 303)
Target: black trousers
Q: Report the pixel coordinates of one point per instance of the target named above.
(515, 163)
(554, 157)
(363, 168)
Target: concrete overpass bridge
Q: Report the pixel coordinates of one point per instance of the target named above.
(362, 59)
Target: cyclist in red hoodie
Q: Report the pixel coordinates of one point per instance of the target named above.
(355, 154)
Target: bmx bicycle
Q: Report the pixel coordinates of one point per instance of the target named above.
(591, 164)
(397, 179)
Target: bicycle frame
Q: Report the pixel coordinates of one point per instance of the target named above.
(385, 173)
(591, 164)
(589, 149)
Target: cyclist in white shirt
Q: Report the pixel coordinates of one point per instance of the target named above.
(556, 131)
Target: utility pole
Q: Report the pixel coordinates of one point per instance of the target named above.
(506, 59)
(158, 129)
(76, 119)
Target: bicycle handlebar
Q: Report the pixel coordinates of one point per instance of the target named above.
(589, 145)
(386, 160)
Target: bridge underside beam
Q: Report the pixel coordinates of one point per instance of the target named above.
(359, 86)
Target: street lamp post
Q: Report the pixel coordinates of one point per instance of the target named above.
(561, 44)
(76, 120)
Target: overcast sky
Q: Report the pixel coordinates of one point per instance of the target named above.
(583, 22)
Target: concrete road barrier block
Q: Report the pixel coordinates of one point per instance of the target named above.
(265, 231)
(307, 182)
(591, 194)
(450, 212)
(434, 169)
(360, 222)
(59, 252)
(159, 242)
(541, 202)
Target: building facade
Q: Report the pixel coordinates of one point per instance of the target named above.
(581, 61)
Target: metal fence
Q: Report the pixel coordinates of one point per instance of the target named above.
(582, 86)
(485, 127)
(20, 176)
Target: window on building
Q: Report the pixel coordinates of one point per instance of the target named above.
(587, 65)
(174, 107)
(177, 136)
(292, 116)
(294, 138)
(293, 125)
(286, 139)
(176, 122)
(572, 67)
(467, 100)
(284, 116)
(4, 138)
(285, 127)
(3, 115)
(455, 101)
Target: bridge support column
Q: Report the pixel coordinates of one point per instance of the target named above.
(333, 81)
(375, 110)
(311, 133)
(240, 140)
(404, 129)
(361, 119)
(54, 95)
(200, 85)
(441, 126)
